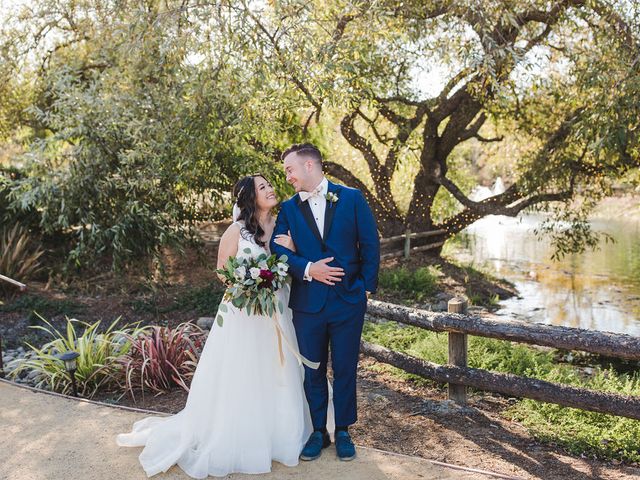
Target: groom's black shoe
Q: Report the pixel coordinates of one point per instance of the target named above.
(313, 448)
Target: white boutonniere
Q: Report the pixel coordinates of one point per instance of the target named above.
(331, 198)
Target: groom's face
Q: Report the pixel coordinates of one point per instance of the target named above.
(298, 169)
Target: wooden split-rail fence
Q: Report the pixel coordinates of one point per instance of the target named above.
(458, 324)
(408, 236)
(396, 246)
(21, 286)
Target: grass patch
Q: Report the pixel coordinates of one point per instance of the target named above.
(417, 284)
(42, 305)
(580, 432)
(203, 300)
(600, 435)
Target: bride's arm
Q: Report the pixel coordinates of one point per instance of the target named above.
(228, 245)
(296, 262)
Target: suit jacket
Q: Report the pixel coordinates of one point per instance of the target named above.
(350, 236)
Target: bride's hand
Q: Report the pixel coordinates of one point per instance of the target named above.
(285, 241)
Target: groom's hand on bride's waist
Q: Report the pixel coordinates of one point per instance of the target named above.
(322, 272)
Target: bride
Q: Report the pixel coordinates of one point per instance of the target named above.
(244, 407)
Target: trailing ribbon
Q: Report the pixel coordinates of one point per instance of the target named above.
(281, 336)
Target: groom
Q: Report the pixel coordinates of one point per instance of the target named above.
(336, 262)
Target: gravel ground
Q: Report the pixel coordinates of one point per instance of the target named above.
(46, 437)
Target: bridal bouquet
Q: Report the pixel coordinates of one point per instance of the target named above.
(252, 283)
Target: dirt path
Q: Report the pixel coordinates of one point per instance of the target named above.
(47, 437)
(399, 416)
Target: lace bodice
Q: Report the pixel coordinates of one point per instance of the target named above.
(247, 241)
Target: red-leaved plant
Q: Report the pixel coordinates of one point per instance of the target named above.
(162, 358)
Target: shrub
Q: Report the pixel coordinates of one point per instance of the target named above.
(96, 365)
(162, 358)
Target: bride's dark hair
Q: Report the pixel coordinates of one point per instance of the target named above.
(244, 192)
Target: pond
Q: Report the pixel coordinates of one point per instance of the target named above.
(597, 290)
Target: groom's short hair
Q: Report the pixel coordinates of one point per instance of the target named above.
(308, 149)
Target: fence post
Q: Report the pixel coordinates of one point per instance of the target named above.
(407, 242)
(457, 352)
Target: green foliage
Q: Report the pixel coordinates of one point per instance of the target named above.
(483, 353)
(418, 283)
(96, 365)
(136, 134)
(475, 298)
(549, 88)
(10, 213)
(156, 358)
(17, 95)
(581, 432)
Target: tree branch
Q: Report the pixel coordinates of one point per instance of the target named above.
(399, 99)
(392, 116)
(543, 16)
(488, 140)
(456, 192)
(380, 178)
(339, 171)
(372, 123)
(516, 208)
(537, 39)
(294, 78)
(472, 130)
(457, 78)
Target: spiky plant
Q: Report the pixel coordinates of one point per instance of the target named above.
(162, 358)
(19, 257)
(97, 365)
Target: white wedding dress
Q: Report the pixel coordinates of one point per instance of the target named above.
(244, 408)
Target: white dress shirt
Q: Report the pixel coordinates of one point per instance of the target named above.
(318, 205)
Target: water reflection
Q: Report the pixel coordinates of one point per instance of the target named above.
(597, 290)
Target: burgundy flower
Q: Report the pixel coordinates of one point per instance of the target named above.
(267, 278)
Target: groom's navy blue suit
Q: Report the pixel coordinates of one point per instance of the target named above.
(326, 315)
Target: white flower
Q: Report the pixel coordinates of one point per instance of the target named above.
(263, 265)
(240, 272)
(332, 197)
(255, 272)
(282, 268)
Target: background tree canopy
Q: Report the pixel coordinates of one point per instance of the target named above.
(130, 120)
(547, 86)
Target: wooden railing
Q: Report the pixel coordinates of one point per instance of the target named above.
(18, 284)
(407, 237)
(458, 375)
(213, 238)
